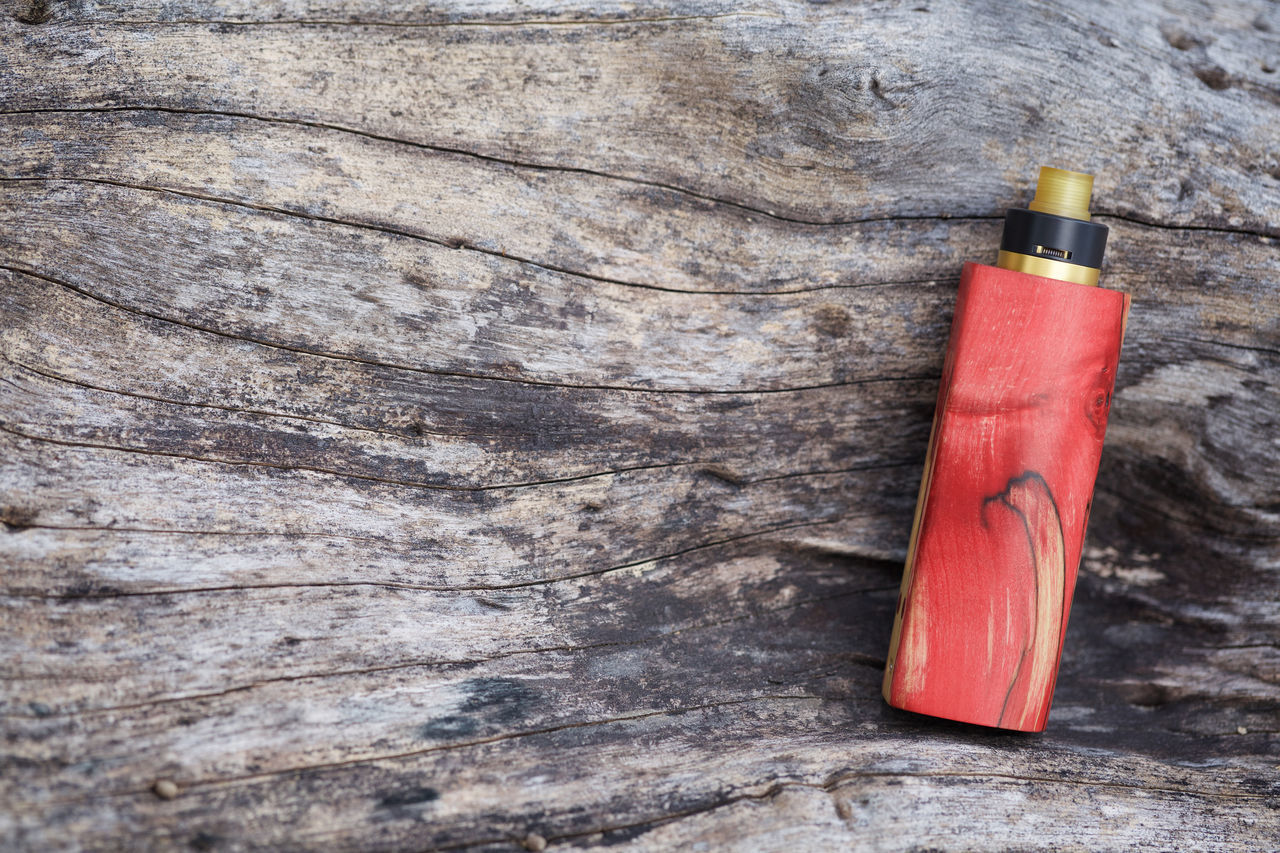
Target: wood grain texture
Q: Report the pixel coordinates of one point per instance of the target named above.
(427, 427)
(999, 534)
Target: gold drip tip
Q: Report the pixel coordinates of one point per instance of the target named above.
(1063, 193)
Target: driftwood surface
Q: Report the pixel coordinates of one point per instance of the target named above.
(472, 426)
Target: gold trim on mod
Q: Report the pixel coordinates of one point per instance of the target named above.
(1047, 267)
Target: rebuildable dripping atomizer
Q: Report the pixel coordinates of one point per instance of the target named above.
(1008, 478)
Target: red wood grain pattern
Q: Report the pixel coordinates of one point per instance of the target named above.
(1022, 410)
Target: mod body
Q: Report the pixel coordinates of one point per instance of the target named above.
(1005, 496)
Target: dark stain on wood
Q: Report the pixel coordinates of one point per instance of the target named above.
(32, 12)
(408, 797)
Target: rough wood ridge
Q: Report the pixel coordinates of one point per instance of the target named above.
(475, 426)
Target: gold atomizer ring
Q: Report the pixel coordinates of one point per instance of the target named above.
(1048, 268)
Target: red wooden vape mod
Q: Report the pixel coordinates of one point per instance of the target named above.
(1008, 477)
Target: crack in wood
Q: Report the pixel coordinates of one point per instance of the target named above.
(847, 779)
(458, 373)
(1134, 219)
(530, 23)
(190, 786)
(196, 532)
(457, 244)
(530, 484)
(1196, 521)
(234, 409)
(854, 657)
(1209, 342)
(1131, 218)
(715, 469)
(476, 588)
(333, 472)
(519, 164)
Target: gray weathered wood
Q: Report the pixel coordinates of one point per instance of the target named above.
(435, 427)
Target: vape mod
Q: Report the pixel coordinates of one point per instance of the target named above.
(1008, 477)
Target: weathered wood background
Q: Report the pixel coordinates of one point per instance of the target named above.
(474, 426)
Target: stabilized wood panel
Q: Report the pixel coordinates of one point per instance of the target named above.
(438, 427)
(1004, 501)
